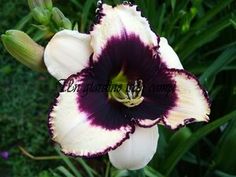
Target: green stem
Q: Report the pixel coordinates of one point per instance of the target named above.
(26, 153)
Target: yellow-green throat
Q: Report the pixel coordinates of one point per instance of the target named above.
(130, 94)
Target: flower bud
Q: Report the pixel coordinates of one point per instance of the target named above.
(66, 23)
(41, 15)
(24, 49)
(59, 18)
(40, 3)
(34, 3)
(48, 4)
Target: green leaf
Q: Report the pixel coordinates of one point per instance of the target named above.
(204, 37)
(68, 163)
(223, 158)
(120, 173)
(177, 139)
(174, 18)
(219, 49)
(86, 9)
(223, 60)
(200, 23)
(87, 168)
(211, 13)
(161, 18)
(22, 23)
(150, 172)
(168, 165)
(45, 174)
(173, 3)
(222, 174)
(137, 173)
(55, 174)
(77, 4)
(233, 22)
(64, 171)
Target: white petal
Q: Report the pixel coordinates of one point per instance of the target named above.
(192, 102)
(136, 152)
(74, 128)
(188, 101)
(67, 53)
(119, 21)
(168, 55)
(147, 122)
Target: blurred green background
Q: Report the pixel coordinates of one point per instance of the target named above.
(203, 33)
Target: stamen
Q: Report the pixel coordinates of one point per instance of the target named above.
(99, 3)
(99, 7)
(132, 97)
(127, 3)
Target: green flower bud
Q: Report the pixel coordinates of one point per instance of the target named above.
(34, 3)
(48, 4)
(59, 18)
(66, 23)
(40, 3)
(41, 15)
(24, 49)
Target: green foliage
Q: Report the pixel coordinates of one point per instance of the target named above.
(203, 35)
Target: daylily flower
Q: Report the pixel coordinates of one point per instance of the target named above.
(120, 50)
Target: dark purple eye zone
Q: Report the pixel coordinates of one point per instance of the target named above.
(137, 61)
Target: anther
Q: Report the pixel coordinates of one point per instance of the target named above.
(132, 97)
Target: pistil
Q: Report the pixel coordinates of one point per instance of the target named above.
(130, 94)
